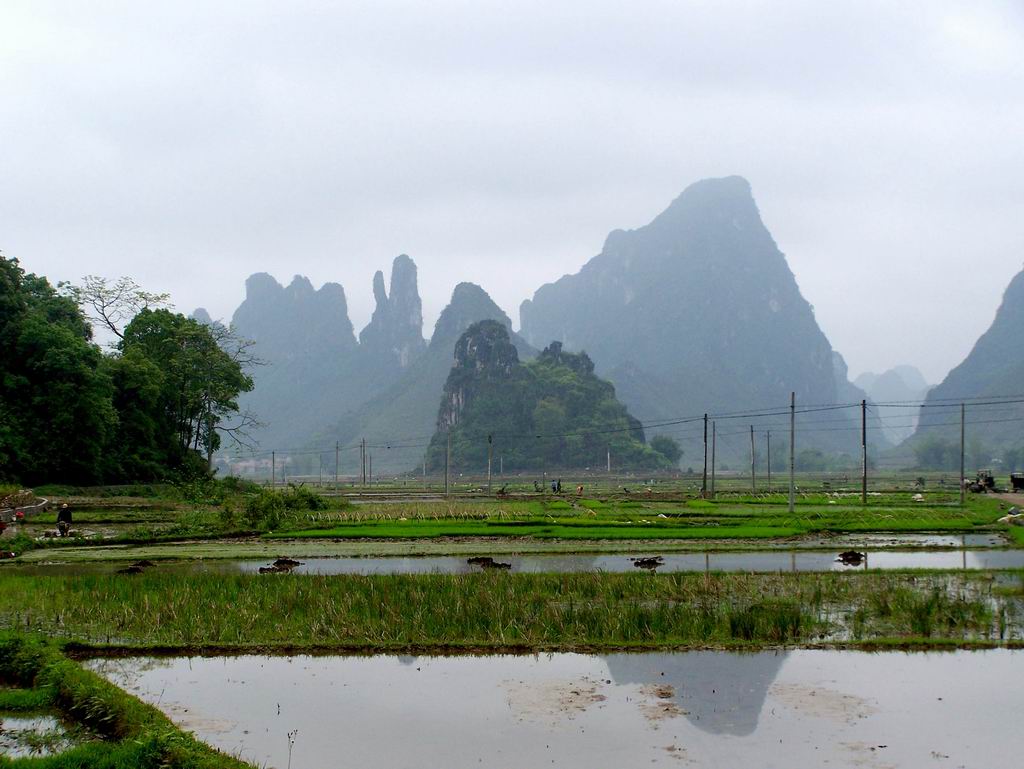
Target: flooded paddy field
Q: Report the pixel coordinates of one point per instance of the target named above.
(770, 561)
(803, 708)
(36, 735)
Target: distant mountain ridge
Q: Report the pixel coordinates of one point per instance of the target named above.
(900, 384)
(315, 368)
(696, 311)
(992, 370)
(400, 419)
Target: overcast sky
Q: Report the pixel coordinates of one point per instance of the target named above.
(189, 144)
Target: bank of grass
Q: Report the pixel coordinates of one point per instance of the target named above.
(695, 520)
(539, 529)
(128, 733)
(510, 611)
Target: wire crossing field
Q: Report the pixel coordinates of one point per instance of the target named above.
(516, 611)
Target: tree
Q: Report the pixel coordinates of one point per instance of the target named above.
(199, 381)
(668, 447)
(56, 414)
(113, 305)
(934, 453)
(1013, 459)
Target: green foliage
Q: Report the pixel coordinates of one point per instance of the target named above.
(1013, 459)
(668, 447)
(70, 414)
(181, 385)
(264, 510)
(552, 412)
(56, 413)
(300, 498)
(267, 509)
(935, 453)
(777, 621)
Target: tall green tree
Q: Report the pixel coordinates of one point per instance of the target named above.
(56, 411)
(197, 384)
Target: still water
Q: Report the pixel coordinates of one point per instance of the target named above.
(769, 561)
(746, 561)
(701, 709)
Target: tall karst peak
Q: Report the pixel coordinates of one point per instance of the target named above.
(261, 285)
(469, 304)
(696, 311)
(300, 287)
(728, 199)
(201, 315)
(485, 347)
(396, 328)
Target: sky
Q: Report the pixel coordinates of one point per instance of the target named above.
(189, 144)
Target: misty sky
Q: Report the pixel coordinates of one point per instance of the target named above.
(188, 144)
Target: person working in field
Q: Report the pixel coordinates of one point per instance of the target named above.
(64, 520)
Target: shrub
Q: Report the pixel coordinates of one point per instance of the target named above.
(265, 510)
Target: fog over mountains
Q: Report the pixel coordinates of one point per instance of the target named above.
(696, 311)
(900, 384)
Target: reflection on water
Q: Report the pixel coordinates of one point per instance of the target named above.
(715, 709)
(719, 693)
(748, 561)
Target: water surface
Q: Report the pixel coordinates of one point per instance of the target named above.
(704, 709)
(745, 561)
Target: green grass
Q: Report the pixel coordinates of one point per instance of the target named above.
(134, 735)
(500, 610)
(21, 700)
(1017, 534)
(530, 528)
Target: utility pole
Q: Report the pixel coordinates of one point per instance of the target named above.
(337, 452)
(704, 481)
(963, 432)
(792, 450)
(371, 468)
(753, 478)
(501, 465)
(424, 471)
(273, 468)
(609, 459)
(490, 448)
(768, 438)
(321, 471)
(447, 462)
(714, 435)
(864, 452)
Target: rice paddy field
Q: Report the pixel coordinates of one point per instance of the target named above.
(631, 569)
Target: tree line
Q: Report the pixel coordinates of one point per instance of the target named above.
(152, 407)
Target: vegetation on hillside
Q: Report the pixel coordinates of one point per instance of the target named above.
(551, 412)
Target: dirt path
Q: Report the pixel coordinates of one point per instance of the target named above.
(1013, 499)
